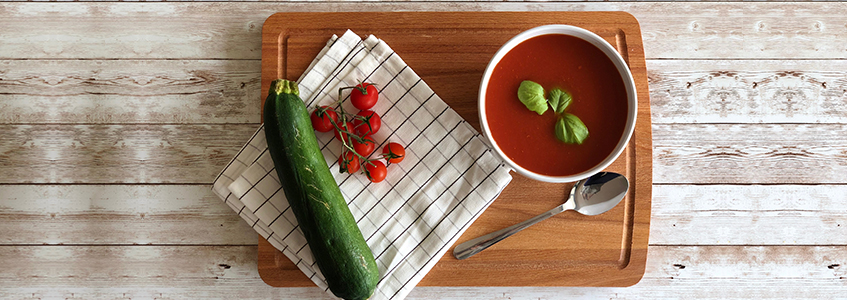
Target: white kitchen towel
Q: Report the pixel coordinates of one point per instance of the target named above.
(447, 179)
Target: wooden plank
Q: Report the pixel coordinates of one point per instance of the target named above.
(127, 266)
(683, 153)
(174, 214)
(118, 215)
(748, 91)
(749, 153)
(232, 30)
(201, 272)
(129, 91)
(749, 215)
(713, 273)
(118, 153)
(112, 30)
(226, 91)
(742, 30)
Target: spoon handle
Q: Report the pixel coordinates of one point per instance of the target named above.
(474, 246)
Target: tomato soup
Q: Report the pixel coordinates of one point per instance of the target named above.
(576, 66)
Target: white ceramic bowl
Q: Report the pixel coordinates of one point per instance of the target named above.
(598, 42)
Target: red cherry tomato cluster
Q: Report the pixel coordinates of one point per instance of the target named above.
(355, 131)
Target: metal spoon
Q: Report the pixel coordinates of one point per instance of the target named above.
(591, 196)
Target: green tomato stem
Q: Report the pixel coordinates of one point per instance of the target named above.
(347, 143)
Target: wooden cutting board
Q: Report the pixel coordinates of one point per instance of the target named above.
(450, 51)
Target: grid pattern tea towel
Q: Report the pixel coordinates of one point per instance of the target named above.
(447, 179)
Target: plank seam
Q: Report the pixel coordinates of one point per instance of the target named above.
(750, 184)
(106, 183)
(747, 245)
(123, 59)
(757, 124)
(743, 58)
(125, 124)
(129, 245)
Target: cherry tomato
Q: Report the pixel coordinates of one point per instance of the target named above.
(370, 125)
(322, 123)
(375, 170)
(364, 96)
(366, 148)
(338, 135)
(394, 153)
(348, 163)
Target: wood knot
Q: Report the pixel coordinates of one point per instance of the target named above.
(694, 26)
(679, 266)
(225, 266)
(833, 266)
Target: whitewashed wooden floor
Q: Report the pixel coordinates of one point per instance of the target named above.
(115, 118)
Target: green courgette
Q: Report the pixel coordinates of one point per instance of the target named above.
(337, 243)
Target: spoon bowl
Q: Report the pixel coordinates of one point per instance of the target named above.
(591, 196)
(599, 193)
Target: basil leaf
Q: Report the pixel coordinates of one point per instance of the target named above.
(531, 95)
(578, 129)
(562, 131)
(554, 95)
(560, 100)
(571, 130)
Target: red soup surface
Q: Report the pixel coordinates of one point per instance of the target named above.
(576, 66)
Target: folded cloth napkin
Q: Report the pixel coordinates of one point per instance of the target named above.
(447, 179)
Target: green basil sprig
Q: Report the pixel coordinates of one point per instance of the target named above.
(569, 128)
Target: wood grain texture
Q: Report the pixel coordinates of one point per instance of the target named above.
(749, 215)
(749, 153)
(129, 91)
(612, 252)
(748, 91)
(226, 91)
(742, 30)
(193, 215)
(118, 153)
(118, 215)
(232, 30)
(157, 30)
(141, 266)
(683, 153)
(228, 272)
(146, 55)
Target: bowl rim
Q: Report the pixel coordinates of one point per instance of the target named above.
(611, 53)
